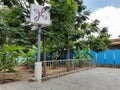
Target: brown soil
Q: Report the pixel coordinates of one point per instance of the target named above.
(21, 73)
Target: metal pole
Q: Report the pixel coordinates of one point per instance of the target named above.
(39, 39)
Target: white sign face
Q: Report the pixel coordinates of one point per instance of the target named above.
(39, 15)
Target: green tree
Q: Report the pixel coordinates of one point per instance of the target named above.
(102, 41)
(63, 22)
(14, 28)
(8, 55)
(68, 31)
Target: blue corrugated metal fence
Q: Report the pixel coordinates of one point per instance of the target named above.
(107, 57)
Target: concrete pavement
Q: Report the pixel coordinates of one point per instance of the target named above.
(93, 79)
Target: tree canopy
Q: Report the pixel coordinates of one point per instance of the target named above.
(69, 29)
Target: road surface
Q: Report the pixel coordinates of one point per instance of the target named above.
(93, 79)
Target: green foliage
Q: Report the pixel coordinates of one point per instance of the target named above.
(69, 29)
(14, 29)
(29, 57)
(8, 55)
(83, 55)
(101, 42)
(63, 22)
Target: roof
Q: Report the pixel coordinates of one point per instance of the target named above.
(116, 41)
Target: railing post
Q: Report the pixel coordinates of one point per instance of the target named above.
(68, 65)
(44, 69)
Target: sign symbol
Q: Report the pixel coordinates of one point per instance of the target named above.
(40, 14)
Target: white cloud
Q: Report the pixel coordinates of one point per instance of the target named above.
(109, 17)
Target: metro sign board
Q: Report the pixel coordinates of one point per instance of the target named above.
(39, 15)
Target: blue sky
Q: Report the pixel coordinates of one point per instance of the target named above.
(93, 5)
(108, 12)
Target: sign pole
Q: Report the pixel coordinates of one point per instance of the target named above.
(39, 40)
(38, 64)
(40, 16)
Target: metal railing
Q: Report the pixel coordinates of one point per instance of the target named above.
(55, 68)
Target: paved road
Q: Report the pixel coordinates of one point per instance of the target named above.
(93, 79)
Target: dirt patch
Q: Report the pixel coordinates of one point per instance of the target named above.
(7, 81)
(21, 73)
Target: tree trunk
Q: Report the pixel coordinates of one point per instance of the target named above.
(68, 54)
(44, 55)
(68, 50)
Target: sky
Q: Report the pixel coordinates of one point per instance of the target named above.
(108, 12)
